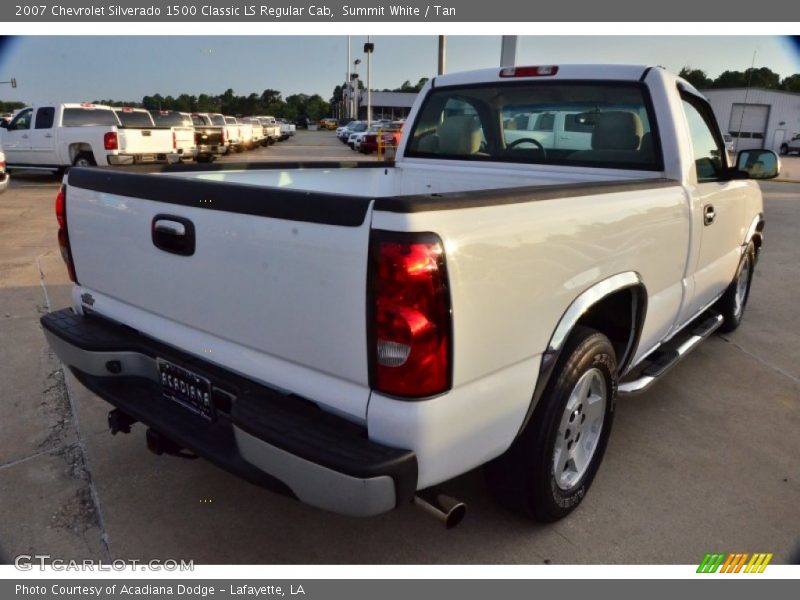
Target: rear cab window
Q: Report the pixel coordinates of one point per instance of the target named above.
(89, 117)
(134, 118)
(200, 121)
(171, 119)
(217, 120)
(606, 124)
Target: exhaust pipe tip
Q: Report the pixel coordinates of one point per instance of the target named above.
(446, 509)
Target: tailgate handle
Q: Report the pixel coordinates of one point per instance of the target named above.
(173, 234)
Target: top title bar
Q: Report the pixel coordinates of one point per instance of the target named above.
(496, 11)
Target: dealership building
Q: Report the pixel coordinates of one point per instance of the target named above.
(756, 118)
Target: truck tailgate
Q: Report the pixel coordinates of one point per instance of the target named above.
(145, 140)
(275, 288)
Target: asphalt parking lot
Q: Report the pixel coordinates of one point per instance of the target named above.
(706, 461)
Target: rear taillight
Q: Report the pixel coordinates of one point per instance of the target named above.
(222, 137)
(174, 141)
(410, 341)
(63, 234)
(197, 138)
(548, 71)
(110, 141)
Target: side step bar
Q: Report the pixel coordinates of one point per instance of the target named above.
(662, 360)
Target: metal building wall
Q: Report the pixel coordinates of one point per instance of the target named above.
(783, 121)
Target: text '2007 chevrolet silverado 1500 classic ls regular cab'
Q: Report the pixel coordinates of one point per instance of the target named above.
(356, 334)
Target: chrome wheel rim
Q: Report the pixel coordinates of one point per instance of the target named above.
(741, 288)
(580, 429)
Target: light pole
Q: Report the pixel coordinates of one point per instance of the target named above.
(354, 78)
(368, 48)
(347, 82)
(12, 81)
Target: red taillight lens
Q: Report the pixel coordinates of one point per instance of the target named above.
(222, 139)
(410, 345)
(548, 71)
(110, 141)
(63, 234)
(174, 141)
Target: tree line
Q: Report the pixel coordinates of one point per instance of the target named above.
(271, 102)
(761, 77)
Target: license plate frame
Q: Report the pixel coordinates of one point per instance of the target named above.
(186, 388)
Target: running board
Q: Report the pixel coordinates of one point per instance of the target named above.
(660, 361)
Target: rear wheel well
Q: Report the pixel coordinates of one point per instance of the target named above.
(619, 316)
(79, 148)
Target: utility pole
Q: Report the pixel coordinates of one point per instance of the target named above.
(356, 91)
(442, 68)
(368, 48)
(508, 51)
(348, 83)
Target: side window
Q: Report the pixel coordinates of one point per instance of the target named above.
(708, 154)
(44, 117)
(21, 121)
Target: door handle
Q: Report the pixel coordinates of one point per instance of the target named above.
(173, 234)
(708, 214)
(48, 135)
(24, 136)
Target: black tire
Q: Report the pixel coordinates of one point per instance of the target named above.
(84, 159)
(731, 306)
(523, 478)
(784, 150)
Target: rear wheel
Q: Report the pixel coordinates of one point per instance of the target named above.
(784, 149)
(733, 302)
(84, 159)
(550, 466)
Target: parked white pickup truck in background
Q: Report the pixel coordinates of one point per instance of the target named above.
(551, 128)
(55, 136)
(233, 134)
(154, 143)
(5, 179)
(184, 143)
(355, 336)
(792, 145)
(272, 130)
(287, 129)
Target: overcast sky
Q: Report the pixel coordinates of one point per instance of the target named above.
(49, 68)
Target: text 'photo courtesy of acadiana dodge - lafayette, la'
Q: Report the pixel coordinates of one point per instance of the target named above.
(209, 10)
(154, 589)
(377, 279)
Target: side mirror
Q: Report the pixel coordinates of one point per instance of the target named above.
(4, 124)
(759, 164)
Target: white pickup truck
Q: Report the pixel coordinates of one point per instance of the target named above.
(356, 334)
(184, 143)
(272, 129)
(54, 136)
(570, 129)
(5, 179)
(792, 145)
(287, 129)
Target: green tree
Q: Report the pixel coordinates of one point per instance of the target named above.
(761, 77)
(8, 107)
(317, 108)
(696, 77)
(791, 83)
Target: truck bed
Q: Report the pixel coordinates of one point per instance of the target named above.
(382, 180)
